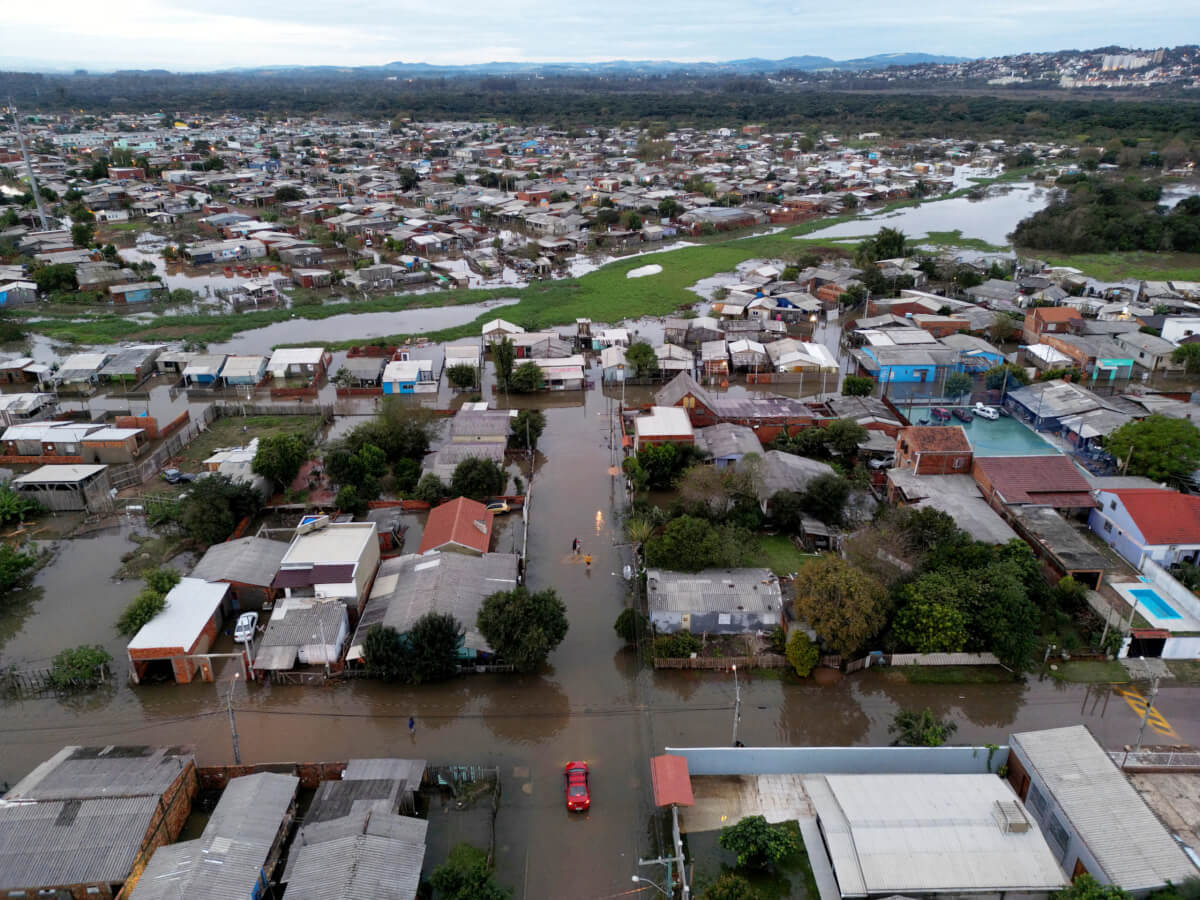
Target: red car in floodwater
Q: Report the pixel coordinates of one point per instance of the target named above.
(579, 795)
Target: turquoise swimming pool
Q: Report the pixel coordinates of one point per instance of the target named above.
(1149, 600)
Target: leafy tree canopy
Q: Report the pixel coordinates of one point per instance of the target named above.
(843, 605)
(1158, 447)
(523, 627)
(757, 843)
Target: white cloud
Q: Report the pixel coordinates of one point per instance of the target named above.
(225, 33)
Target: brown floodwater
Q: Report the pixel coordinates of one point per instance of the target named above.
(594, 701)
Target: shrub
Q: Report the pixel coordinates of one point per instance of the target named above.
(757, 843)
(79, 667)
(630, 624)
(144, 607)
(802, 654)
(677, 646)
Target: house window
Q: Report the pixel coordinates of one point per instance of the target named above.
(1107, 525)
(1112, 504)
(724, 619)
(1037, 801)
(1057, 834)
(959, 463)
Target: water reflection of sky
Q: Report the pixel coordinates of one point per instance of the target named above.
(990, 219)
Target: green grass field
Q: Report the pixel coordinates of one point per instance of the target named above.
(1134, 264)
(955, 674)
(235, 432)
(780, 555)
(1091, 672)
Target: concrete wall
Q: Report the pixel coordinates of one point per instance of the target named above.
(840, 760)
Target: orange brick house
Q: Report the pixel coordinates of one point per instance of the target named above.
(1050, 320)
(934, 450)
(175, 640)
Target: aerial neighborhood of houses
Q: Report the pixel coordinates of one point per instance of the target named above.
(333, 483)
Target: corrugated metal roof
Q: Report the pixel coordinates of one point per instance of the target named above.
(713, 590)
(66, 842)
(249, 560)
(437, 582)
(923, 834)
(410, 771)
(76, 773)
(726, 440)
(227, 860)
(1103, 808)
(356, 868)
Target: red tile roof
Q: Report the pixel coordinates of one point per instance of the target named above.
(463, 522)
(943, 438)
(672, 784)
(1050, 480)
(1163, 517)
(1057, 314)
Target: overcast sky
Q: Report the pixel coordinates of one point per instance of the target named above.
(216, 34)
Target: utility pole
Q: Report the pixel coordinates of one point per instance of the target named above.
(237, 753)
(737, 705)
(1146, 715)
(33, 185)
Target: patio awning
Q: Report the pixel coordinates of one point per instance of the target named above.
(672, 784)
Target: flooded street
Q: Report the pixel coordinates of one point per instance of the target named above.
(595, 701)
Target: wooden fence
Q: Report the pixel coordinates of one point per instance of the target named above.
(759, 661)
(38, 681)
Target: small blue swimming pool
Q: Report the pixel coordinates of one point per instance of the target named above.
(1154, 604)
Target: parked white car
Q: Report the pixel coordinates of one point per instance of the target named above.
(986, 412)
(243, 631)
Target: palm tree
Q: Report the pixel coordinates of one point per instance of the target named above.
(922, 728)
(639, 529)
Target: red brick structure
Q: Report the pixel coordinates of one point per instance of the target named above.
(934, 450)
(1050, 320)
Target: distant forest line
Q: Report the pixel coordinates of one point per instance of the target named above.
(574, 101)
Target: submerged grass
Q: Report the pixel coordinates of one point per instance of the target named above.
(1138, 264)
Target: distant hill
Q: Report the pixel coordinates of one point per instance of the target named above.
(751, 66)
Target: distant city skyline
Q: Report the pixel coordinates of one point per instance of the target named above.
(169, 34)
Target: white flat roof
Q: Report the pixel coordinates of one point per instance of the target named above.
(242, 365)
(336, 543)
(190, 604)
(663, 421)
(920, 834)
(296, 356)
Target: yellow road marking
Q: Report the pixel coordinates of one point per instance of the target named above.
(1155, 719)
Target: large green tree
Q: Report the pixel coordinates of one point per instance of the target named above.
(1157, 447)
(527, 428)
(527, 378)
(825, 498)
(931, 618)
(434, 641)
(279, 458)
(845, 606)
(214, 506)
(478, 478)
(858, 386)
(505, 356)
(641, 358)
(523, 627)
(1189, 356)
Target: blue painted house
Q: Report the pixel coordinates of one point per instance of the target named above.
(907, 365)
(137, 292)
(17, 293)
(409, 376)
